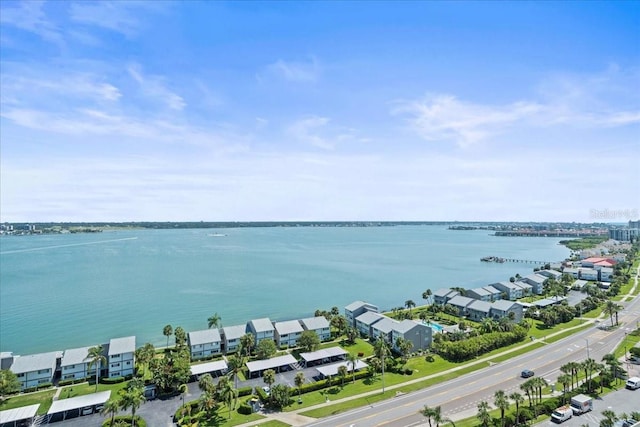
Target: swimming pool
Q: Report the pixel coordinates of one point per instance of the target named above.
(435, 326)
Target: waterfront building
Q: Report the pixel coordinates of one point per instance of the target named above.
(512, 291)
(503, 308)
(356, 308)
(288, 333)
(121, 356)
(262, 329)
(35, 369)
(381, 330)
(442, 296)
(365, 321)
(478, 310)
(480, 294)
(527, 289)
(550, 274)
(75, 364)
(419, 334)
(320, 325)
(205, 343)
(231, 338)
(461, 303)
(536, 281)
(495, 293)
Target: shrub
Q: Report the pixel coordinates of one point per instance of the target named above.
(244, 409)
(408, 371)
(30, 389)
(245, 391)
(114, 380)
(429, 358)
(139, 422)
(44, 385)
(262, 394)
(62, 383)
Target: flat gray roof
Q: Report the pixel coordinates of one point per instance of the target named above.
(480, 291)
(288, 327)
(75, 356)
(204, 337)
(18, 414)
(406, 325)
(503, 304)
(262, 325)
(369, 317)
(79, 402)
(325, 353)
(202, 368)
(491, 289)
(274, 362)
(479, 306)
(313, 323)
(34, 362)
(234, 332)
(122, 345)
(355, 305)
(461, 301)
(331, 370)
(385, 325)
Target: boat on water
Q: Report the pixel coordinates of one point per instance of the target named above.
(217, 235)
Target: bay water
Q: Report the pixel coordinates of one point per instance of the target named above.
(72, 290)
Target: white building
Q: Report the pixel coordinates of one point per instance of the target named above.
(288, 333)
(75, 364)
(35, 369)
(320, 325)
(356, 308)
(205, 343)
(262, 329)
(121, 356)
(231, 337)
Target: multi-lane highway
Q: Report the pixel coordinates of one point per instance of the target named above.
(459, 398)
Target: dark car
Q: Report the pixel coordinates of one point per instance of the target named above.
(526, 373)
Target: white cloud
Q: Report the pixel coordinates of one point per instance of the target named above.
(444, 117)
(296, 71)
(308, 131)
(154, 87)
(30, 16)
(118, 16)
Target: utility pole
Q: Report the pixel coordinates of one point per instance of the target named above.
(587, 347)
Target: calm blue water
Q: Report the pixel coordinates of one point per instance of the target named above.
(65, 291)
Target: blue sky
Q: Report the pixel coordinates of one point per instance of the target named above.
(219, 111)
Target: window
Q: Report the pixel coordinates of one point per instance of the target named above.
(115, 365)
(20, 375)
(128, 363)
(43, 371)
(114, 356)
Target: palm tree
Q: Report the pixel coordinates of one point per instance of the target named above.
(167, 331)
(589, 366)
(236, 362)
(528, 389)
(610, 418)
(565, 380)
(342, 372)
(426, 295)
(614, 365)
(111, 407)
(539, 383)
(299, 381)
(518, 399)
(610, 308)
(501, 402)
(574, 367)
(183, 389)
(205, 383)
(214, 321)
(352, 359)
(227, 393)
(132, 398)
(246, 341)
(409, 304)
(144, 355)
(483, 413)
(96, 359)
(435, 415)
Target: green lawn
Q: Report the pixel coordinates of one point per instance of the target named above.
(222, 419)
(360, 346)
(274, 423)
(44, 398)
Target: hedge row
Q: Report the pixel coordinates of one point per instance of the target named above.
(139, 422)
(113, 380)
(72, 381)
(245, 391)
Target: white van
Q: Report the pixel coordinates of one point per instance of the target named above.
(633, 383)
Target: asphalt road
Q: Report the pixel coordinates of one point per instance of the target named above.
(459, 398)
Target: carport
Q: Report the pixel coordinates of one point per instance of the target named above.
(326, 355)
(73, 406)
(275, 363)
(217, 368)
(11, 417)
(331, 370)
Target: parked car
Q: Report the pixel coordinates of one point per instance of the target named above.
(87, 410)
(526, 373)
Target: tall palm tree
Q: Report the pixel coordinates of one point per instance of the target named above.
(435, 415)
(144, 355)
(167, 331)
(132, 398)
(610, 418)
(483, 413)
(589, 366)
(236, 362)
(342, 372)
(518, 399)
(614, 365)
(565, 380)
(214, 321)
(205, 383)
(528, 389)
(183, 389)
(227, 393)
(409, 304)
(299, 381)
(574, 367)
(97, 358)
(501, 402)
(539, 384)
(426, 295)
(352, 359)
(111, 407)
(269, 377)
(246, 342)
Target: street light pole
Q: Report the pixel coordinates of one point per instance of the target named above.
(587, 347)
